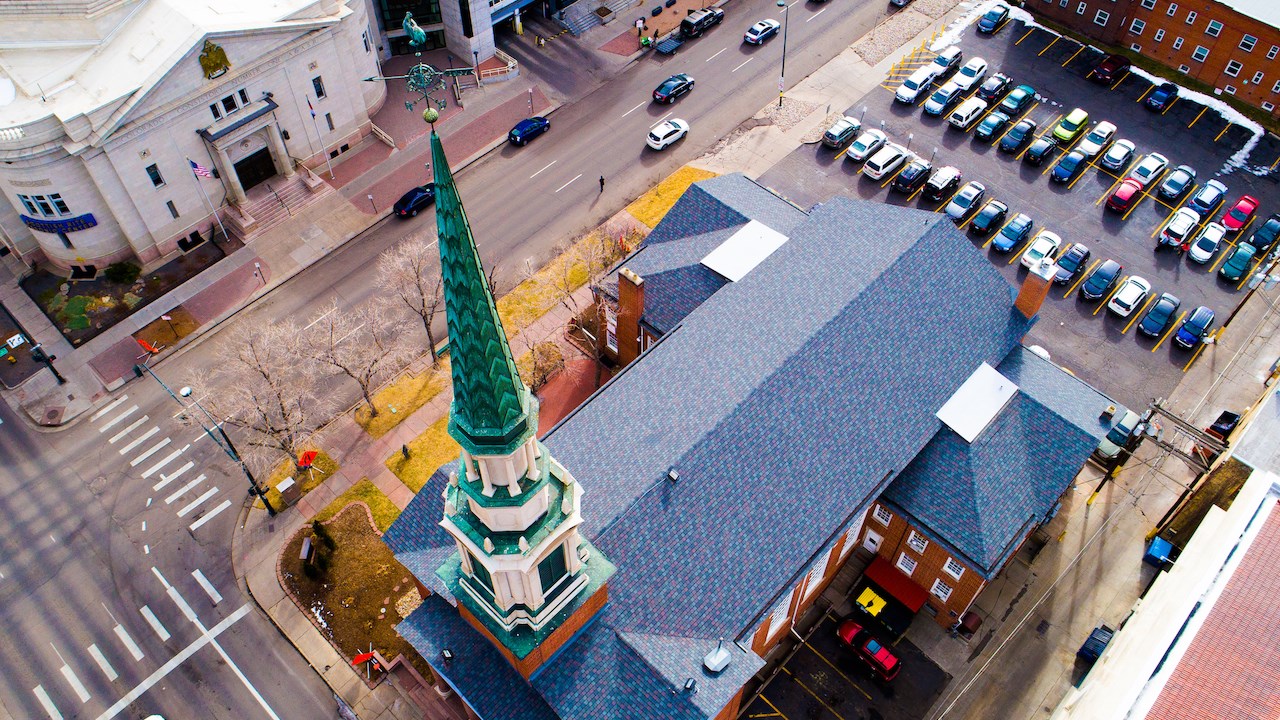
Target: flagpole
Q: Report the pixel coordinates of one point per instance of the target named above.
(207, 202)
(328, 163)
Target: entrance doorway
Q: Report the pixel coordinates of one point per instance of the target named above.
(84, 272)
(256, 168)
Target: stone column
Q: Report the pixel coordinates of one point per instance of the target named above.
(229, 178)
(279, 153)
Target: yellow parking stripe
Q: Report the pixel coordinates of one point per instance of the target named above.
(1150, 299)
(1244, 230)
(1172, 327)
(1194, 355)
(1080, 278)
(1163, 222)
(891, 178)
(1171, 104)
(1253, 267)
(1274, 164)
(1024, 36)
(776, 712)
(838, 670)
(1203, 110)
(1073, 56)
(841, 153)
(1145, 93)
(1102, 198)
(992, 239)
(1088, 164)
(812, 693)
(1223, 251)
(1046, 47)
(1224, 132)
(1122, 77)
(1103, 302)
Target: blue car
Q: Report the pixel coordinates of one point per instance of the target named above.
(1014, 233)
(1159, 316)
(1162, 97)
(528, 129)
(1194, 328)
(1069, 167)
(1071, 262)
(1207, 199)
(994, 18)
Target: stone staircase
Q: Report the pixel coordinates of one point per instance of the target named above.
(276, 201)
(581, 17)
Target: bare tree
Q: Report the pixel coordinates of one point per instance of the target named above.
(361, 344)
(410, 273)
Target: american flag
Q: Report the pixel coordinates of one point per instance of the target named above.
(199, 169)
(313, 110)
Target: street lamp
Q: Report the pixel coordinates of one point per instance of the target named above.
(786, 23)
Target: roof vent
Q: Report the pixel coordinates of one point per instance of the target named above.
(691, 686)
(718, 659)
(672, 475)
(1108, 412)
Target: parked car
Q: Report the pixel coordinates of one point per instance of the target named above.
(1132, 293)
(1265, 236)
(841, 132)
(1240, 214)
(965, 201)
(1208, 197)
(948, 60)
(942, 183)
(1070, 127)
(415, 200)
(918, 82)
(989, 217)
(971, 74)
(942, 99)
(991, 126)
(866, 145)
(1013, 233)
(1237, 263)
(1149, 168)
(994, 87)
(1124, 196)
(528, 129)
(1097, 139)
(1073, 260)
(1159, 315)
(1043, 245)
(761, 31)
(672, 88)
(1194, 328)
(1177, 230)
(699, 21)
(1018, 135)
(1041, 149)
(1127, 422)
(1018, 100)
(870, 651)
(993, 19)
(1117, 156)
(667, 133)
(1099, 282)
(913, 176)
(1162, 97)
(1207, 243)
(886, 160)
(1069, 167)
(1177, 183)
(1110, 68)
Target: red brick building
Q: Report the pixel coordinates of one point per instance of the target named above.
(1233, 46)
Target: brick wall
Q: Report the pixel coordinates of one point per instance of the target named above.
(528, 664)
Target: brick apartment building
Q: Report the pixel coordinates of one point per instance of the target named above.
(1233, 45)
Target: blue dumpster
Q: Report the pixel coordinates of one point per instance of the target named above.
(1158, 552)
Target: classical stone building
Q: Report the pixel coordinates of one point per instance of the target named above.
(104, 105)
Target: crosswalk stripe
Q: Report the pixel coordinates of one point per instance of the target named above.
(129, 644)
(207, 494)
(108, 408)
(47, 703)
(209, 516)
(125, 450)
(108, 424)
(134, 426)
(154, 622)
(209, 589)
(183, 490)
(101, 659)
(77, 686)
(166, 479)
(154, 449)
(152, 470)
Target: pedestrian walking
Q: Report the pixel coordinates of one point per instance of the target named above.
(601, 183)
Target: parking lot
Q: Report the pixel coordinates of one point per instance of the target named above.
(1081, 335)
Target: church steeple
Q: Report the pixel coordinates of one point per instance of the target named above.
(523, 573)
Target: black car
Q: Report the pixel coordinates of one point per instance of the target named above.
(990, 217)
(942, 183)
(1018, 136)
(1162, 97)
(672, 88)
(1265, 236)
(1177, 183)
(1040, 150)
(1071, 262)
(416, 199)
(993, 19)
(1111, 68)
(995, 87)
(912, 176)
(528, 129)
(1069, 167)
(1159, 315)
(1101, 280)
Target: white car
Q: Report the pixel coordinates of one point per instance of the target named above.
(866, 145)
(1118, 155)
(1129, 297)
(1149, 169)
(1207, 243)
(1097, 139)
(971, 74)
(886, 160)
(1045, 245)
(667, 132)
(919, 81)
(966, 200)
(1179, 227)
(761, 31)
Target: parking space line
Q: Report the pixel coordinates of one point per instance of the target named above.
(1249, 271)
(1017, 254)
(1150, 299)
(1103, 302)
(1274, 164)
(1224, 132)
(1122, 78)
(996, 233)
(1000, 26)
(1169, 332)
(812, 694)
(1163, 222)
(103, 663)
(1073, 56)
(1223, 252)
(1024, 36)
(777, 712)
(1145, 93)
(154, 622)
(1080, 279)
(1171, 104)
(838, 670)
(1245, 230)
(1203, 110)
(1102, 198)
(1194, 355)
(1087, 166)
(895, 174)
(46, 702)
(1046, 47)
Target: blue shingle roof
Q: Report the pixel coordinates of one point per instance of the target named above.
(416, 538)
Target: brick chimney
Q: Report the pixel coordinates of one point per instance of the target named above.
(1035, 287)
(630, 308)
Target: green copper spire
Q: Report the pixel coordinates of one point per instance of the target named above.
(492, 412)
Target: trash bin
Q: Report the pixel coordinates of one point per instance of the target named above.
(289, 491)
(1159, 552)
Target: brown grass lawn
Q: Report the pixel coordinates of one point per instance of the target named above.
(384, 511)
(356, 596)
(399, 399)
(427, 453)
(166, 333)
(307, 480)
(652, 206)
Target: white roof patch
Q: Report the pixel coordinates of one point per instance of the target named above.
(977, 402)
(744, 250)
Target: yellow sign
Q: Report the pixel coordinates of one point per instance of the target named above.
(871, 602)
(213, 60)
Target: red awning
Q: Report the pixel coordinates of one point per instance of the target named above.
(883, 573)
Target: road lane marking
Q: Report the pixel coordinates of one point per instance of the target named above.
(623, 115)
(152, 451)
(713, 57)
(192, 505)
(208, 587)
(815, 14)
(128, 642)
(568, 183)
(134, 426)
(155, 623)
(166, 479)
(47, 703)
(553, 162)
(183, 490)
(1172, 326)
(664, 117)
(108, 408)
(172, 456)
(210, 515)
(101, 659)
(77, 686)
(125, 450)
(108, 424)
(744, 62)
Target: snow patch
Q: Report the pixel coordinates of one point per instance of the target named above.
(956, 29)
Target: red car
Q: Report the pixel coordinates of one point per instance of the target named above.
(1240, 214)
(1125, 196)
(879, 658)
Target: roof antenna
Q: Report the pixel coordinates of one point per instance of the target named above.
(42, 97)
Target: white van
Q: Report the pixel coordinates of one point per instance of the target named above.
(969, 111)
(920, 81)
